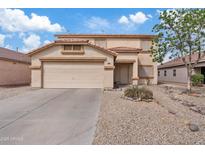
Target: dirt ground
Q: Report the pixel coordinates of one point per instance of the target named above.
(164, 121)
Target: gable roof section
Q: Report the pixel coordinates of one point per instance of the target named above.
(71, 42)
(105, 36)
(179, 61)
(125, 50)
(14, 56)
(103, 49)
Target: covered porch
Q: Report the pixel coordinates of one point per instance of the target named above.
(125, 72)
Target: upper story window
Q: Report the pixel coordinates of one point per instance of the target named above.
(174, 73)
(72, 47)
(158, 73)
(165, 73)
(76, 47)
(68, 47)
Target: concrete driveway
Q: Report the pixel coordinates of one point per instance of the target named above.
(50, 116)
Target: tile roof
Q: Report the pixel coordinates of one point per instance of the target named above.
(106, 36)
(179, 61)
(14, 56)
(125, 49)
(72, 42)
(104, 49)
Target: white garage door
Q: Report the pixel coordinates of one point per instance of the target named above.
(73, 74)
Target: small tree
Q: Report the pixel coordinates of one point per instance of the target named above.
(180, 33)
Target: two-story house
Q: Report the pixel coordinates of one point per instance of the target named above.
(93, 61)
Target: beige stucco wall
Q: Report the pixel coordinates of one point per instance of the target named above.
(36, 78)
(14, 73)
(128, 56)
(141, 59)
(118, 42)
(144, 44)
(56, 52)
(181, 75)
(146, 59)
(108, 78)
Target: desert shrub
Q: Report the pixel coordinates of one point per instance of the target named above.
(132, 92)
(197, 79)
(140, 93)
(145, 93)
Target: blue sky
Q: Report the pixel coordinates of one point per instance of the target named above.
(28, 29)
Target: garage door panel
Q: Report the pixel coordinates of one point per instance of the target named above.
(73, 75)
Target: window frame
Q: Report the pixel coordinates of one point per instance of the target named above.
(174, 72)
(77, 46)
(165, 72)
(72, 47)
(64, 47)
(72, 51)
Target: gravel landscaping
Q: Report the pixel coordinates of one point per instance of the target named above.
(6, 92)
(163, 121)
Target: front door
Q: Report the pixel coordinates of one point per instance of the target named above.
(124, 74)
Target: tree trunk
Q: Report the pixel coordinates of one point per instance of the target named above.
(189, 72)
(189, 84)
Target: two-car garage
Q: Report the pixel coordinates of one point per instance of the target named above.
(72, 64)
(73, 74)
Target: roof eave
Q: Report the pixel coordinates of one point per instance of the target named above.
(70, 43)
(142, 36)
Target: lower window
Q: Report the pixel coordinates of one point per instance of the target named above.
(145, 71)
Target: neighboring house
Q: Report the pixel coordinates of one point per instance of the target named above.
(14, 68)
(176, 72)
(93, 61)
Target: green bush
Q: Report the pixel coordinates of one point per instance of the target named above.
(140, 93)
(197, 79)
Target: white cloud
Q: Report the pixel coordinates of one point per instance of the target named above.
(123, 20)
(149, 15)
(15, 20)
(138, 17)
(8, 46)
(46, 42)
(132, 19)
(2, 39)
(31, 42)
(97, 23)
(21, 35)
